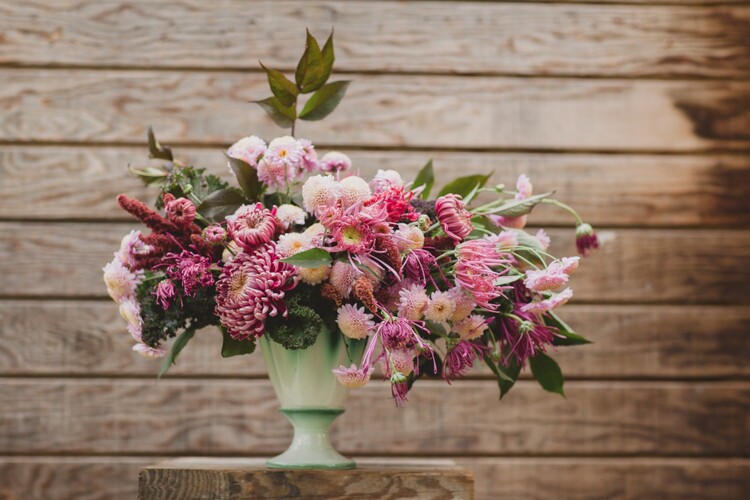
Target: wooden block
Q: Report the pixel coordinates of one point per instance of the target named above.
(234, 479)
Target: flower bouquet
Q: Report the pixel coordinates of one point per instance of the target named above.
(336, 277)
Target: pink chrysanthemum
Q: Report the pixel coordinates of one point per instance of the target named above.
(543, 239)
(215, 234)
(131, 247)
(191, 269)
(412, 302)
(523, 339)
(504, 241)
(440, 307)
(408, 238)
(131, 312)
(554, 276)
(453, 216)
(248, 149)
(333, 161)
(418, 266)
(343, 276)
(542, 306)
(121, 282)
(181, 211)
(252, 225)
(275, 174)
(569, 264)
(474, 270)
(463, 302)
(149, 352)
(385, 180)
(165, 292)
(309, 160)
(251, 288)
(471, 328)
(586, 239)
(398, 361)
(351, 234)
(285, 151)
(395, 204)
(353, 377)
(354, 322)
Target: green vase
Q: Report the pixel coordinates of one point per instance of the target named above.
(311, 397)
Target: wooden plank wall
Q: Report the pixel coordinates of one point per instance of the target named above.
(637, 112)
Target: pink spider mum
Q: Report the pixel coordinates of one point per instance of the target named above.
(191, 269)
(252, 225)
(165, 292)
(251, 288)
(351, 234)
(214, 234)
(453, 216)
(523, 339)
(460, 358)
(542, 306)
(474, 270)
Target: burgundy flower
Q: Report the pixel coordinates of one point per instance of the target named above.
(460, 358)
(191, 269)
(586, 239)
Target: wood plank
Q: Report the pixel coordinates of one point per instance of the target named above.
(89, 338)
(239, 417)
(630, 190)
(517, 38)
(386, 110)
(634, 265)
(104, 478)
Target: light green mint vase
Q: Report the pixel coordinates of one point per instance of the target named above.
(311, 397)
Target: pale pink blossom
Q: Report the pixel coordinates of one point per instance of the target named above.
(252, 225)
(354, 322)
(412, 302)
(353, 189)
(131, 313)
(523, 191)
(333, 161)
(385, 180)
(545, 279)
(353, 377)
(313, 275)
(342, 277)
(132, 246)
(398, 361)
(569, 264)
(504, 241)
(309, 160)
(463, 303)
(149, 352)
(319, 192)
(285, 151)
(543, 239)
(542, 306)
(471, 327)
(121, 282)
(288, 215)
(408, 238)
(292, 243)
(440, 307)
(248, 149)
(453, 216)
(276, 174)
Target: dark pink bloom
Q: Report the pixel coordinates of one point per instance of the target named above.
(453, 216)
(180, 211)
(523, 339)
(460, 358)
(191, 269)
(418, 266)
(396, 201)
(252, 225)
(215, 234)
(399, 391)
(474, 270)
(586, 239)
(165, 292)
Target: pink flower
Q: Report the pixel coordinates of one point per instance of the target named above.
(181, 211)
(275, 174)
(504, 241)
(351, 234)
(288, 215)
(309, 159)
(412, 302)
(214, 234)
(586, 239)
(542, 306)
(384, 180)
(354, 322)
(319, 192)
(398, 333)
(352, 377)
(543, 239)
(252, 225)
(353, 190)
(248, 149)
(399, 391)
(569, 264)
(418, 266)
(251, 288)
(471, 327)
(463, 302)
(440, 307)
(165, 292)
(555, 275)
(121, 282)
(149, 352)
(285, 151)
(191, 269)
(453, 216)
(131, 312)
(333, 161)
(459, 359)
(398, 361)
(343, 276)
(131, 247)
(523, 339)
(408, 238)
(523, 191)
(474, 270)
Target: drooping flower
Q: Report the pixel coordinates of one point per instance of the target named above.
(333, 161)
(408, 238)
(555, 275)
(471, 328)
(384, 180)
(132, 247)
(248, 149)
(286, 151)
(309, 160)
(453, 216)
(191, 269)
(569, 264)
(418, 266)
(412, 302)
(586, 239)
(398, 361)
(319, 192)
(504, 241)
(542, 306)
(398, 333)
(287, 215)
(342, 277)
(399, 391)
(353, 189)
(543, 239)
(252, 225)
(215, 234)
(353, 377)
(251, 288)
(460, 358)
(131, 313)
(475, 273)
(354, 322)
(523, 339)
(149, 352)
(121, 282)
(181, 211)
(463, 303)
(440, 307)
(165, 292)
(275, 174)
(313, 275)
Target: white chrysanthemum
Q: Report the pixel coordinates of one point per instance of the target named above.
(408, 238)
(384, 180)
(314, 275)
(290, 214)
(354, 322)
(121, 281)
(342, 277)
(247, 149)
(315, 233)
(353, 190)
(440, 307)
(470, 328)
(318, 192)
(412, 302)
(292, 243)
(148, 351)
(130, 246)
(463, 304)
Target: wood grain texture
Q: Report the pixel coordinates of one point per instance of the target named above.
(636, 265)
(518, 38)
(388, 110)
(629, 190)
(238, 417)
(89, 339)
(246, 479)
(106, 478)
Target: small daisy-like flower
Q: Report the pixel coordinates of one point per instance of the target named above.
(309, 159)
(545, 305)
(354, 322)
(353, 190)
(333, 161)
(569, 264)
(319, 192)
(314, 275)
(132, 246)
(286, 151)
(453, 216)
(471, 327)
(545, 279)
(353, 377)
(440, 307)
(384, 180)
(252, 225)
(214, 234)
(408, 238)
(463, 304)
(413, 302)
(248, 149)
(287, 215)
(121, 282)
(275, 174)
(343, 276)
(149, 352)
(292, 243)
(504, 241)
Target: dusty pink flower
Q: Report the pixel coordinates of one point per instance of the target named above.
(352, 377)
(463, 302)
(131, 247)
(121, 282)
(248, 149)
(460, 358)
(543, 239)
(504, 241)
(569, 264)
(586, 239)
(354, 322)
(191, 269)
(523, 339)
(399, 391)
(555, 275)
(181, 211)
(408, 238)
(453, 216)
(165, 292)
(214, 234)
(251, 288)
(474, 271)
(440, 307)
(343, 276)
(309, 160)
(471, 327)
(412, 302)
(333, 161)
(384, 180)
(398, 361)
(252, 225)
(286, 151)
(148, 351)
(288, 215)
(418, 266)
(275, 174)
(542, 306)
(131, 312)
(351, 234)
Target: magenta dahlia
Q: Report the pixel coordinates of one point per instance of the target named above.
(251, 288)
(252, 225)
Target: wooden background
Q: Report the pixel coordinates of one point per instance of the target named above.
(638, 112)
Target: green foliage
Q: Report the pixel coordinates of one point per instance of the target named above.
(216, 206)
(569, 337)
(304, 321)
(324, 101)
(547, 372)
(463, 186)
(512, 370)
(312, 258)
(177, 347)
(156, 150)
(517, 208)
(151, 175)
(190, 182)
(282, 115)
(314, 67)
(426, 178)
(247, 178)
(231, 347)
(281, 87)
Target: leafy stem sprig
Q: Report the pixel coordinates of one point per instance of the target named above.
(311, 77)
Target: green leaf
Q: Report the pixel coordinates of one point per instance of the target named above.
(177, 346)
(436, 328)
(310, 68)
(150, 175)
(324, 101)
(312, 258)
(569, 336)
(284, 90)
(247, 178)
(282, 115)
(156, 150)
(499, 372)
(506, 280)
(219, 204)
(517, 208)
(547, 372)
(426, 178)
(231, 347)
(464, 185)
